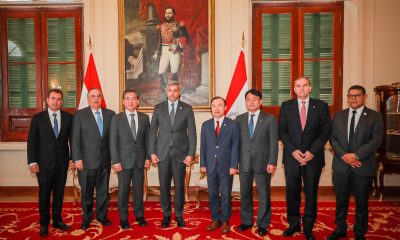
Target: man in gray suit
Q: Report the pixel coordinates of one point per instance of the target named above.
(172, 146)
(91, 154)
(129, 135)
(356, 135)
(258, 158)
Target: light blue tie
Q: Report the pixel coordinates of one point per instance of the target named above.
(251, 125)
(55, 128)
(99, 123)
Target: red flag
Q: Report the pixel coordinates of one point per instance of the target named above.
(235, 101)
(91, 81)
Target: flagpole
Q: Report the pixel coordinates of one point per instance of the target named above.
(243, 42)
(90, 44)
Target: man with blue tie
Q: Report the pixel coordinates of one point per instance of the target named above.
(91, 153)
(219, 153)
(258, 157)
(48, 158)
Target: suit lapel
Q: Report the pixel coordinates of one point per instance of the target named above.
(310, 114)
(296, 114)
(93, 120)
(125, 124)
(245, 124)
(222, 127)
(50, 126)
(361, 122)
(260, 121)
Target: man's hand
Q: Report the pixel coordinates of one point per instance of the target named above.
(34, 168)
(71, 165)
(299, 156)
(188, 160)
(203, 169)
(308, 156)
(351, 159)
(79, 165)
(270, 168)
(117, 167)
(232, 171)
(154, 158)
(147, 163)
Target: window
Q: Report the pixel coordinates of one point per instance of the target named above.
(298, 39)
(40, 50)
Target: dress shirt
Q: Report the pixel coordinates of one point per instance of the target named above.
(221, 120)
(255, 118)
(95, 115)
(175, 106)
(306, 104)
(135, 117)
(356, 118)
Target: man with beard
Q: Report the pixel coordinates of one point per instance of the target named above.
(172, 38)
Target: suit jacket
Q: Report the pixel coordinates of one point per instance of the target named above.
(124, 149)
(315, 135)
(181, 136)
(219, 153)
(87, 143)
(367, 139)
(262, 149)
(43, 147)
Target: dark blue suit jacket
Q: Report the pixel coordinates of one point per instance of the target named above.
(219, 153)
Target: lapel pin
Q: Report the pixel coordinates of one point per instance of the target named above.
(180, 108)
(224, 124)
(365, 114)
(313, 106)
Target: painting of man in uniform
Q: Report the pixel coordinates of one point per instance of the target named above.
(167, 40)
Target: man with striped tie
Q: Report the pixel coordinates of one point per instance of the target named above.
(48, 157)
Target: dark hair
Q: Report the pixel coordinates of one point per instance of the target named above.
(173, 9)
(55, 90)
(357, 87)
(254, 92)
(217, 97)
(130, 90)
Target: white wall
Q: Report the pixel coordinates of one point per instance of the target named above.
(371, 48)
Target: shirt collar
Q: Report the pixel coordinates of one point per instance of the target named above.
(307, 100)
(58, 112)
(256, 113)
(359, 110)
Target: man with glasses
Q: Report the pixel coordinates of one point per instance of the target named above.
(356, 135)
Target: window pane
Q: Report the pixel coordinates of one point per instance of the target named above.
(275, 82)
(21, 63)
(320, 74)
(63, 77)
(276, 36)
(61, 39)
(318, 35)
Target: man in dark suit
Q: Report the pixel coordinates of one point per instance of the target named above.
(356, 135)
(258, 157)
(219, 153)
(91, 153)
(129, 135)
(172, 146)
(48, 157)
(304, 128)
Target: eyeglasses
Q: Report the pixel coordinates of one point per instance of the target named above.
(354, 95)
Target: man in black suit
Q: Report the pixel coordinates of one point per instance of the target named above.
(356, 135)
(304, 128)
(258, 157)
(48, 157)
(91, 153)
(219, 156)
(129, 135)
(172, 146)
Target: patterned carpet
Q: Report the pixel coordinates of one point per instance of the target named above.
(20, 221)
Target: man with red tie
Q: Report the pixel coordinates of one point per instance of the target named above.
(219, 155)
(304, 128)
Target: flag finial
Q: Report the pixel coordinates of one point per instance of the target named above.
(90, 44)
(243, 42)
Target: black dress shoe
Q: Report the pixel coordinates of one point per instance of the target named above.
(141, 221)
(179, 221)
(125, 224)
(165, 222)
(262, 231)
(85, 225)
(360, 237)
(244, 227)
(337, 234)
(291, 230)
(62, 226)
(44, 231)
(104, 221)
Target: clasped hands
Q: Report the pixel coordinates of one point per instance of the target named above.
(352, 160)
(302, 158)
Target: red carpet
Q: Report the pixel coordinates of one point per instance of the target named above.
(20, 221)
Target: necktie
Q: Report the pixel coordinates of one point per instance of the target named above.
(217, 129)
(99, 123)
(55, 128)
(172, 114)
(352, 122)
(133, 125)
(303, 114)
(251, 125)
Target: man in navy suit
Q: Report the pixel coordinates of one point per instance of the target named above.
(219, 154)
(48, 157)
(356, 135)
(304, 128)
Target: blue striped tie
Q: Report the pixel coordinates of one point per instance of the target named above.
(99, 123)
(55, 128)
